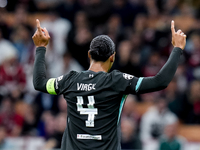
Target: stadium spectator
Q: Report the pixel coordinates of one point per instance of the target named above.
(21, 38)
(171, 140)
(182, 78)
(186, 106)
(29, 4)
(12, 121)
(97, 11)
(60, 124)
(129, 138)
(53, 22)
(113, 29)
(30, 121)
(5, 30)
(193, 107)
(79, 39)
(7, 50)
(20, 16)
(194, 50)
(130, 110)
(68, 9)
(123, 56)
(154, 64)
(44, 102)
(2, 137)
(153, 123)
(12, 76)
(4, 142)
(65, 61)
(125, 10)
(46, 125)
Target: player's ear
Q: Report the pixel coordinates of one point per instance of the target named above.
(112, 57)
(89, 56)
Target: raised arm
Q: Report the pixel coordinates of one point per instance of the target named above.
(165, 75)
(40, 39)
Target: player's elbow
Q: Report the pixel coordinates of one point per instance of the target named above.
(39, 87)
(36, 86)
(162, 82)
(164, 85)
(39, 84)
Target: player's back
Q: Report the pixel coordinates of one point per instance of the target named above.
(94, 103)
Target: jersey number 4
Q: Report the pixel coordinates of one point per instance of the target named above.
(90, 111)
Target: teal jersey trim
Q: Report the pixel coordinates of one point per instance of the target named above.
(121, 106)
(138, 84)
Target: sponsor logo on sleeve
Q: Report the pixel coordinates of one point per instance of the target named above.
(60, 78)
(91, 75)
(56, 84)
(127, 76)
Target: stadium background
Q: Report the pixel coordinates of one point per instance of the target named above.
(31, 120)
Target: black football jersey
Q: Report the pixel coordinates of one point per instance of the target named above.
(94, 104)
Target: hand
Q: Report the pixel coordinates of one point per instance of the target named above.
(41, 36)
(178, 38)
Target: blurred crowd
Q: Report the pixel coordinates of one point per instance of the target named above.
(141, 31)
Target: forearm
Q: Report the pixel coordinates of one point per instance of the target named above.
(39, 71)
(164, 76)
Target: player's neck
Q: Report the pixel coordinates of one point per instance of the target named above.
(99, 66)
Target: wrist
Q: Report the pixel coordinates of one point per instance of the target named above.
(179, 47)
(40, 48)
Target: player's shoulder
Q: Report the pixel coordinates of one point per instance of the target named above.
(69, 75)
(73, 73)
(121, 81)
(64, 81)
(119, 74)
(115, 73)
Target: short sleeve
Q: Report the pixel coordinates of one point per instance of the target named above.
(125, 83)
(56, 86)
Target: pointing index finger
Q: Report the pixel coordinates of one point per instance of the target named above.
(172, 27)
(38, 24)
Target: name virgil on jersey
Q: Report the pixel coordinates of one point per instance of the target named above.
(85, 87)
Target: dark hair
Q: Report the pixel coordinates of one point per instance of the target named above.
(101, 48)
